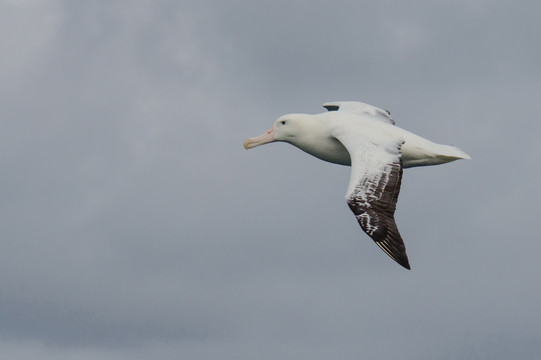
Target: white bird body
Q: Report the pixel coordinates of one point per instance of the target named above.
(416, 150)
(365, 138)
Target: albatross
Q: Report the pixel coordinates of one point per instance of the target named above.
(364, 137)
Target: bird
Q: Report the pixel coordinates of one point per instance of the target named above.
(365, 137)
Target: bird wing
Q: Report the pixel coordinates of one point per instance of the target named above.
(358, 107)
(374, 185)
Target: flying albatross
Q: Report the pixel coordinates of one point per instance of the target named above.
(364, 137)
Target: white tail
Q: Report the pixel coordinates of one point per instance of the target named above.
(453, 153)
(424, 152)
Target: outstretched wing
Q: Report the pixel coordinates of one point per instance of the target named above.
(374, 185)
(358, 107)
(373, 201)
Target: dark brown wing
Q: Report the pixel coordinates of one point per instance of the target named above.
(374, 183)
(373, 201)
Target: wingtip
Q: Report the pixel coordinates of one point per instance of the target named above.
(331, 107)
(400, 256)
(404, 262)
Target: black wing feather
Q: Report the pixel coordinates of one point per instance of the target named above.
(374, 205)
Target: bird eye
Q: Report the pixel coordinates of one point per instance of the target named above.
(283, 122)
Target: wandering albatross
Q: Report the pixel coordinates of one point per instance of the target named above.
(364, 137)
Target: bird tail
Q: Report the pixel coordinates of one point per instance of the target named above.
(451, 153)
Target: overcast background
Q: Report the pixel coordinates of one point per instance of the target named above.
(134, 225)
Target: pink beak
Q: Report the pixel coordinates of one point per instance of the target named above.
(266, 138)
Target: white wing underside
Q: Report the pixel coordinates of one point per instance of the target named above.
(374, 185)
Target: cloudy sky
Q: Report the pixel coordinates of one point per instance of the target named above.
(134, 225)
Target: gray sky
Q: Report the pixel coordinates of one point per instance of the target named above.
(134, 224)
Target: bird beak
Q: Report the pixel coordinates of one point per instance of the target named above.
(266, 138)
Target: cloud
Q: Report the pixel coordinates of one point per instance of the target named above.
(135, 224)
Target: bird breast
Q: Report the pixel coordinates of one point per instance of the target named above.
(325, 148)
